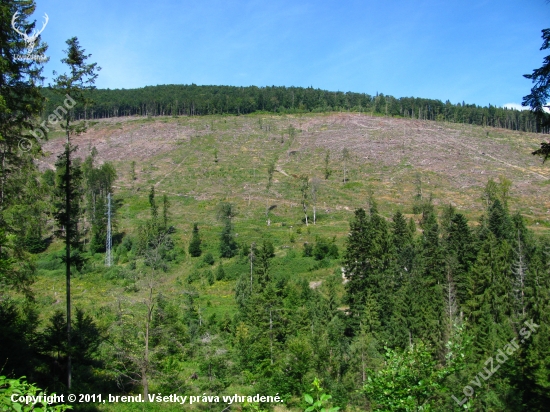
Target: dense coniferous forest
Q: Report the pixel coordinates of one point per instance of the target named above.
(247, 261)
(193, 100)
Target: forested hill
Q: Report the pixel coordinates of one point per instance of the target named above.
(169, 100)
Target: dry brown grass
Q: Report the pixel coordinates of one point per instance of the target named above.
(455, 161)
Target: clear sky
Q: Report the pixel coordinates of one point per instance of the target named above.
(460, 50)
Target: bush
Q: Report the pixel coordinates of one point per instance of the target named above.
(209, 277)
(325, 249)
(126, 243)
(19, 387)
(220, 273)
(35, 244)
(308, 250)
(193, 276)
(321, 249)
(53, 263)
(208, 259)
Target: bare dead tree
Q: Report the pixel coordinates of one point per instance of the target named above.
(519, 270)
(304, 190)
(315, 185)
(134, 356)
(131, 357)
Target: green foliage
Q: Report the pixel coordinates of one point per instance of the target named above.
(327, 170)
(195, 244)
(16, 271)
(21, 103)
(225, 211)
(208, 259)
(308, 250)
(98, 183)
(67, 199)
(209, 277)
(193, 100)
(324, 248)
(270, 171)
(228, 245)
(540, 93)
(253, 407)
(220, 273)
(153, 205)
(320, 400)
(410, 381)
(21, 388)
(543, 151)
(499, 221)
(85, 340)
(133, 171)
(18, 332)
(262, 261)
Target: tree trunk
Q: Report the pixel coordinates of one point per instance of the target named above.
(145, 367)
(145, 383)
(68, 255)
(314, 215)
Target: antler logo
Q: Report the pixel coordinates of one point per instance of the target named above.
(30, 38)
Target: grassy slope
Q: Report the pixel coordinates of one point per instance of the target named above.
(177, 156)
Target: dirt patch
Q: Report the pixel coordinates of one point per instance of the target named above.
(124, 140)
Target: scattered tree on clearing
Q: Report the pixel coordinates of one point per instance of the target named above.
(228, 246)
(304, 190)
(327, 171)
(315, 185)
(195, 244)
(270, 171)
(345, 159)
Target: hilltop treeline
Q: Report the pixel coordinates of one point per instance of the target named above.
(193, 100)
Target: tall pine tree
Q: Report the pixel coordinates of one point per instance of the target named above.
(75, 85)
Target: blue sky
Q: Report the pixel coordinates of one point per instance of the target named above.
(460, 50)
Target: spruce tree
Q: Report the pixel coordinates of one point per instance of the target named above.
(499, 221)
(536, 357)
(21, 103)
(228, 245)
(402, 328)
(74, 85)
(488, 305)
(383, 257)
(540, 92)
(153, 206)
(357, 268)
(402, 237)
(429, 281)
(460, 244)
(263, 257)
(195, 244)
